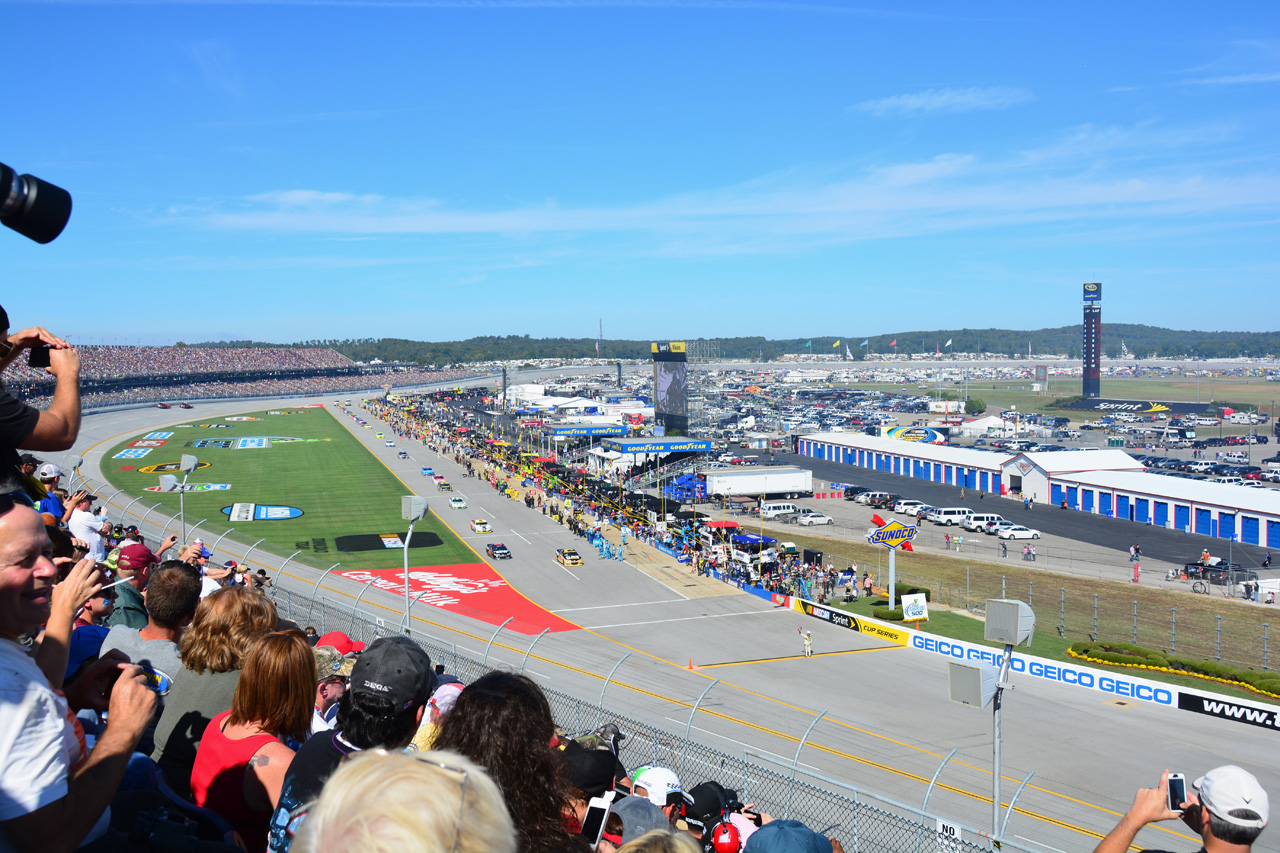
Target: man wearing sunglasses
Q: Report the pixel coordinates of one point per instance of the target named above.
(28, 428)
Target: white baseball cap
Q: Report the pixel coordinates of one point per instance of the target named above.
(48, 471)
(661, 786)
(1227, 788)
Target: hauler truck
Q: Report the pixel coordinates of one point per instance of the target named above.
(765, 483)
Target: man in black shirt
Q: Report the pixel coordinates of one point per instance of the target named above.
(22, 426)
(390, 685)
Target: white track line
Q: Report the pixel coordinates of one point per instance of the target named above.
(682, 619)
(632, 604)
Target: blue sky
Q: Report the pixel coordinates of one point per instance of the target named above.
(438, 170)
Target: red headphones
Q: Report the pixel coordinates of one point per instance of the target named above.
(725, 837)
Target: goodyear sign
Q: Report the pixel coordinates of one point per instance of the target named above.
(1093, 292)
(576, 430)
(895, 534)
(925, 434)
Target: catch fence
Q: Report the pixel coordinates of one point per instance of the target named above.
(863, 821)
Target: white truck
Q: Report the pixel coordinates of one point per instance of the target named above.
(764, 482)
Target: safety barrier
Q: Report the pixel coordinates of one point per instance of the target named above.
(863, 821)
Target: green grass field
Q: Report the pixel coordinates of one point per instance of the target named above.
(348, 497)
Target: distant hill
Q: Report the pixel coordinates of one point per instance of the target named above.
(1141, 341)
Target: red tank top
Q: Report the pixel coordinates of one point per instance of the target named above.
(217, 780)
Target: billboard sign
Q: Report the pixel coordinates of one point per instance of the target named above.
(1093, 292)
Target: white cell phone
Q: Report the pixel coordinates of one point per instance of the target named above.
(1177, 791)
(597, 814)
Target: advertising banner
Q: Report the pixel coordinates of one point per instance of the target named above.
(870, 627)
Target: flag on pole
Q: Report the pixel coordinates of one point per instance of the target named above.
(847, 354)
(864, 343)
(893, 343)
(808, 343)
(836, 345)
(597, 347)
(948, 343)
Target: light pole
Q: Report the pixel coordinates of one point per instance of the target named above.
(412, 508)
(169, 483)
(1012, 623)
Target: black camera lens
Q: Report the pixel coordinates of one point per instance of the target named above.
(36, 209)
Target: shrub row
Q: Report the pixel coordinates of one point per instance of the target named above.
(1137, 657)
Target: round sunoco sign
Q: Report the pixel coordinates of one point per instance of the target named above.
(895, 534)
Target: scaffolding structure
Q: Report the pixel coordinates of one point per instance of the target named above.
(701, 355)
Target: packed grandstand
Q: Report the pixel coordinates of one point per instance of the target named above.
(112, 375)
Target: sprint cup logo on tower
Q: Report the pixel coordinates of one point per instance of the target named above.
(895, 534)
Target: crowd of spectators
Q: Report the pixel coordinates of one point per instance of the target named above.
(120, 362)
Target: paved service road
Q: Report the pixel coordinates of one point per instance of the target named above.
(1157, 543)
(888, 722)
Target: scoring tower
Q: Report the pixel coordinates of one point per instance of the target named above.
(1092, 340)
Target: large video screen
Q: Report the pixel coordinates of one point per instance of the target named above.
(671, 388)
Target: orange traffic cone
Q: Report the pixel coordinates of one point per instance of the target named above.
(691, 667)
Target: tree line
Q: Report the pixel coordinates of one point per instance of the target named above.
(1141, 341)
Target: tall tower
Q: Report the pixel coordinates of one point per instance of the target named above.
(1092, 386)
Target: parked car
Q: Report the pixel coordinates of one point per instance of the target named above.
(1017, 531)
(996, 527)
(885, 500)
(809, 519)
(907, 505)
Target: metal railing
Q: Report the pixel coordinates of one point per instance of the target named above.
(864, 822)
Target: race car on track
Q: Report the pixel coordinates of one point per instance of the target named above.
(402, 455)
(568, 557)
(162, 405)
(379, 434)
(389, 443)
(497, 551)
(442, 486)
(479, 525)
(185, 406)
(439, 478)
(458, 502)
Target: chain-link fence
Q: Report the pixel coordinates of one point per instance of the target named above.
(863, 821)
(1188, 632)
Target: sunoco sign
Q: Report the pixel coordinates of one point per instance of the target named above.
(895, 534)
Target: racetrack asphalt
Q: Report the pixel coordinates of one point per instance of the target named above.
(887, 722)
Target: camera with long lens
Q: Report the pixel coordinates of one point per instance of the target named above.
(36, 209)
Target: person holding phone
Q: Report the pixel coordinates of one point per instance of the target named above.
(1229, 812)
(25, 427)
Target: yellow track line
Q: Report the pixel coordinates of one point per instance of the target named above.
(726, 717)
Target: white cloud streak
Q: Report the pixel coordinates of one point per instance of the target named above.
(1088, 176)
(945, 101)
(1238, 79)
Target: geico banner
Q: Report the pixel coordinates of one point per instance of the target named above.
(870, 627)
(1064, 673)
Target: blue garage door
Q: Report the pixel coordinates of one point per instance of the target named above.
(1203, 524)
(1182, 518)
(1249, 530)
(1073, 496)
(1122, 506)
(1273, 534)
(1055, 494)
(1086, 501)
(984, 480)
(995, 483)
(948, 475)
(1162, 513)
(1104, 503)
(1142, 510)
(1226, 525)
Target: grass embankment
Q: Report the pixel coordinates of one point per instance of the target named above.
(1064, 605)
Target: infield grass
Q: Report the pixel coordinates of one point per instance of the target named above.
(347, 495)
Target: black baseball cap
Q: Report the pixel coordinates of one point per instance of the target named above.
(396, 670)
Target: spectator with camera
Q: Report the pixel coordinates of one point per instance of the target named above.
(54, 792)
(28, 428)
(1229, 812)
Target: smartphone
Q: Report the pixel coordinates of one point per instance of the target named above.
(1177, 791)
(38, 357)
(597, 814)
(754, 817)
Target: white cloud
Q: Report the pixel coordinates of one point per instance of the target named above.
(1238, 79)
(946, 101)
